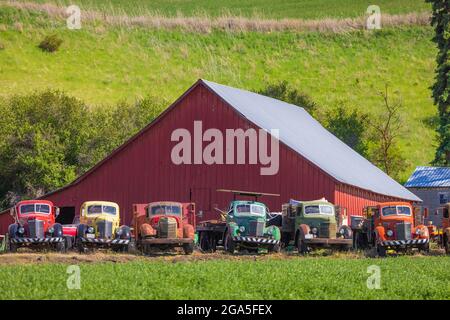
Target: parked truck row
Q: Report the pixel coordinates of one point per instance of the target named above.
(244, 225)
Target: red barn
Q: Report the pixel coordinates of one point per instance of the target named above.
(312, 162)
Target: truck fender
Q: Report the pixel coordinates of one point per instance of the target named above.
(380, 233)
(424, 232)
(301, 231)
(274, 231)
(81, 230)
(188, 231)
(126, 232)
(57, 230)
(146, 230)
(12, 230)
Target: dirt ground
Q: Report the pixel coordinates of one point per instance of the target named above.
(99, 256)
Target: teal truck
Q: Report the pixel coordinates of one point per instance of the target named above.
(242, 226)
(312, 224)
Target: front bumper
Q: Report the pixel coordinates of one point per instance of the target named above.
(171, 241)
(36, 240)
(407, 243)
(255, 240)
(105, 241)
(329, 242)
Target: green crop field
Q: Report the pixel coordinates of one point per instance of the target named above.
(304, 9)
(407, 277)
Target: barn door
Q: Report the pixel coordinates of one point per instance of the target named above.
(202, 199)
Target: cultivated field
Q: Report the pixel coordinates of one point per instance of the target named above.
(221, 276)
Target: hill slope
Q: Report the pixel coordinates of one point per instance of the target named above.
(104, 64)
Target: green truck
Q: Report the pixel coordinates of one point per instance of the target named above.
(312, 224)
(242, 226)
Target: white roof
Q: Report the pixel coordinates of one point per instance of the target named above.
(301, 132)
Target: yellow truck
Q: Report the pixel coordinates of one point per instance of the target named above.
(99, 227)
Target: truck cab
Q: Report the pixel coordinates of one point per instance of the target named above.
(313, 224)
(99, 226)
(35, 226)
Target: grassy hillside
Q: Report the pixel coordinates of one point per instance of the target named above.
(304, 9)
(103, 64)
(307, 278)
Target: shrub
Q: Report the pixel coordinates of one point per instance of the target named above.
(50, 43)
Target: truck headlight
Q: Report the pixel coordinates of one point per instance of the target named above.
(418, 231)
(390, 233)
(241, 228)
(21, 230)
(51, 229)
(90, 230)
(119, 231)
(314, 230)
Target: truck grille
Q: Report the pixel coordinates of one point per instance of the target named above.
(403, 231)
(256, 228)
(167, 227)
(104, 229)
(327, 230)
(36, 228)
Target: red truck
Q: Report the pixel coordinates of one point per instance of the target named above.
(164, 225)
(35, 227)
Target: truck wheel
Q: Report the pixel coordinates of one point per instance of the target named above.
(446, 245)
(131, 247)
(69, 243)
(61, 247)
(275, 248)
(301, 245)
(81, 248)
(188, 248)
(204, 242)
(12, 247)
(230, 246)
(381, 251)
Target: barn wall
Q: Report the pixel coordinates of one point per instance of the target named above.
(432, 200)
(143, 171)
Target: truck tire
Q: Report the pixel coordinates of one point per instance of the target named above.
(204, 242)
(131, 247)
(69, 243)
(188, 248)
(301, 245)
(381, 251)
(446, 244)
(12, 247)
(275, 248)
(61, 247)
(229, 244)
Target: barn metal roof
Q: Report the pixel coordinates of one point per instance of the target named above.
(302, 133)
(425, 177)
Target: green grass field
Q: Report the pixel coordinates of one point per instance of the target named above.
(103, 64)
(303, 9)
(405, 277)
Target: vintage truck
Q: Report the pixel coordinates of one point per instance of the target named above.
(394, 226)
(99, 227)
(35, 227)
(164, 225)
(312, 224)
(242, 226)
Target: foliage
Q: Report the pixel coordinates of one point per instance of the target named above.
(350, 126)
(404, 277)
(48, 138)
(285, 92)
(441, 88)
(50, 43)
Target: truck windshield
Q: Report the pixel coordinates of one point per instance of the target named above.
(396, 210)
(98, 209)
(250, 209)
(319, 209)
(35, 208)
(165, 209)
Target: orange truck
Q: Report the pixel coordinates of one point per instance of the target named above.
(390, 226)
(164, 225)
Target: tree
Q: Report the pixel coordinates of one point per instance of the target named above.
(441, 88)
(350, 127)
(285, 92)
(387, 128)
